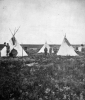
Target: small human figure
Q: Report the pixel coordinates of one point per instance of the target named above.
(7, 49)
(45, 51)
(4, 43)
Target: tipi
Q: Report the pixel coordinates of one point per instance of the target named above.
(43, 47)
(80, 48)
(66, 49)
(14, 45)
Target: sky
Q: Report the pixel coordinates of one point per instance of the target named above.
(43, 20)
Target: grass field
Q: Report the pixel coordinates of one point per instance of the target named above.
(40, 77)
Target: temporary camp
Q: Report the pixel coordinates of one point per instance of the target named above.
(14, 45)
(43, 47)
(66, 49)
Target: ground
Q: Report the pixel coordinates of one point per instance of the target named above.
(40, 77)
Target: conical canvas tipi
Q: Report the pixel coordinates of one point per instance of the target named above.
(14, 45)
(43, 47)
(80, 48)
(66, 49)
(17, 47)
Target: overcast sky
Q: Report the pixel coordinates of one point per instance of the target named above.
(43, 20)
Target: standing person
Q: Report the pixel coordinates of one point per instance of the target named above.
(45, 51)
(8, 49)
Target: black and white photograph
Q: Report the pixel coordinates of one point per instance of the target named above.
(42, 49)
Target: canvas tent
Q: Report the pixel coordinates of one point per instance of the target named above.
(17, 47)
(14, 45)
(66, 49)
(3, 51)
(80, 48)
(45, 46)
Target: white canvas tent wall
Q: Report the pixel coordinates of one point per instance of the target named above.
(43, 47)
(18, 47)
(3, 51)
(14, 44)
(66, 49)
(81, 47)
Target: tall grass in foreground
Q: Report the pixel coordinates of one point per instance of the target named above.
(53, 78)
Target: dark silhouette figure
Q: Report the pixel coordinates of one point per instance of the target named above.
(4, 43)
(45, 51)
(7, 49)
